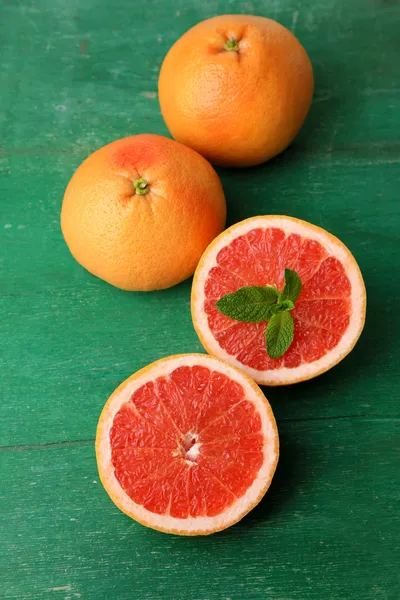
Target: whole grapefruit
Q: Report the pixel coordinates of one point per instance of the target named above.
(140, 211)
(236, 88)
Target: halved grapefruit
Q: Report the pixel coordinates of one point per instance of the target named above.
(187, 445)
(328, 316)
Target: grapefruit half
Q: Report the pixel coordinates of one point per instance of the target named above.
(187, 445)
(329, 314)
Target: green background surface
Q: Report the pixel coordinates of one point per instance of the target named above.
(76, 75)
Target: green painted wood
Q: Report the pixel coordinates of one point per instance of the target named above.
(327, 529)
(74, 76)
(75, 338)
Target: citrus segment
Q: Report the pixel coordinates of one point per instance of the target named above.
(187, 445)
(228, 415)
(328, 315)
(130, 428)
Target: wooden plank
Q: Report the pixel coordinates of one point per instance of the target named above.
(68, 339)
(95, 68)
(327, 528)
(73, 77)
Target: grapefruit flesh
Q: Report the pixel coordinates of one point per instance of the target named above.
(328, 316)
(188, 445)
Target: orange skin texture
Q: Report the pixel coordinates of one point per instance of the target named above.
(142, 242)
(236, 108)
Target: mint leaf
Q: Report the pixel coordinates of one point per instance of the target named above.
(279, 334)
(250, 304)
(287, 304)
(256, 304)
(293, 286)
(276, 309)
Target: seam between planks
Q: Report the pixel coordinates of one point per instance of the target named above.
(332, 155)
(372, 416)
(65, 444)
(50, 445)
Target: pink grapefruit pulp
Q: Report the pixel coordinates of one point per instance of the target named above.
(187, 445)
(328, 316)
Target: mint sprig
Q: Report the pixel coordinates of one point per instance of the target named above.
(255, 304)
(293, 286)
(279, 334)
(250, 304)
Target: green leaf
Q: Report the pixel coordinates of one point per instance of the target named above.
(250, 304)
(279, 334)
(293, 286)
(276, 309)
(287, 304)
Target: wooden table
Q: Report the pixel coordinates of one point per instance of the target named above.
(75, 75)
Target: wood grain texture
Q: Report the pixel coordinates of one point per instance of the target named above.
(326, 529)
(74, 76)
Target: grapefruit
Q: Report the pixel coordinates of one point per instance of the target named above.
(140, 211)
(328, 315)
(187, 445)
(236, 88)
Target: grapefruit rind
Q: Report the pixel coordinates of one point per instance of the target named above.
(192, 525)
(334, 247)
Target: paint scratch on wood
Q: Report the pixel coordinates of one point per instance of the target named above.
(150, 95)
(324, 98)
(295, 16)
